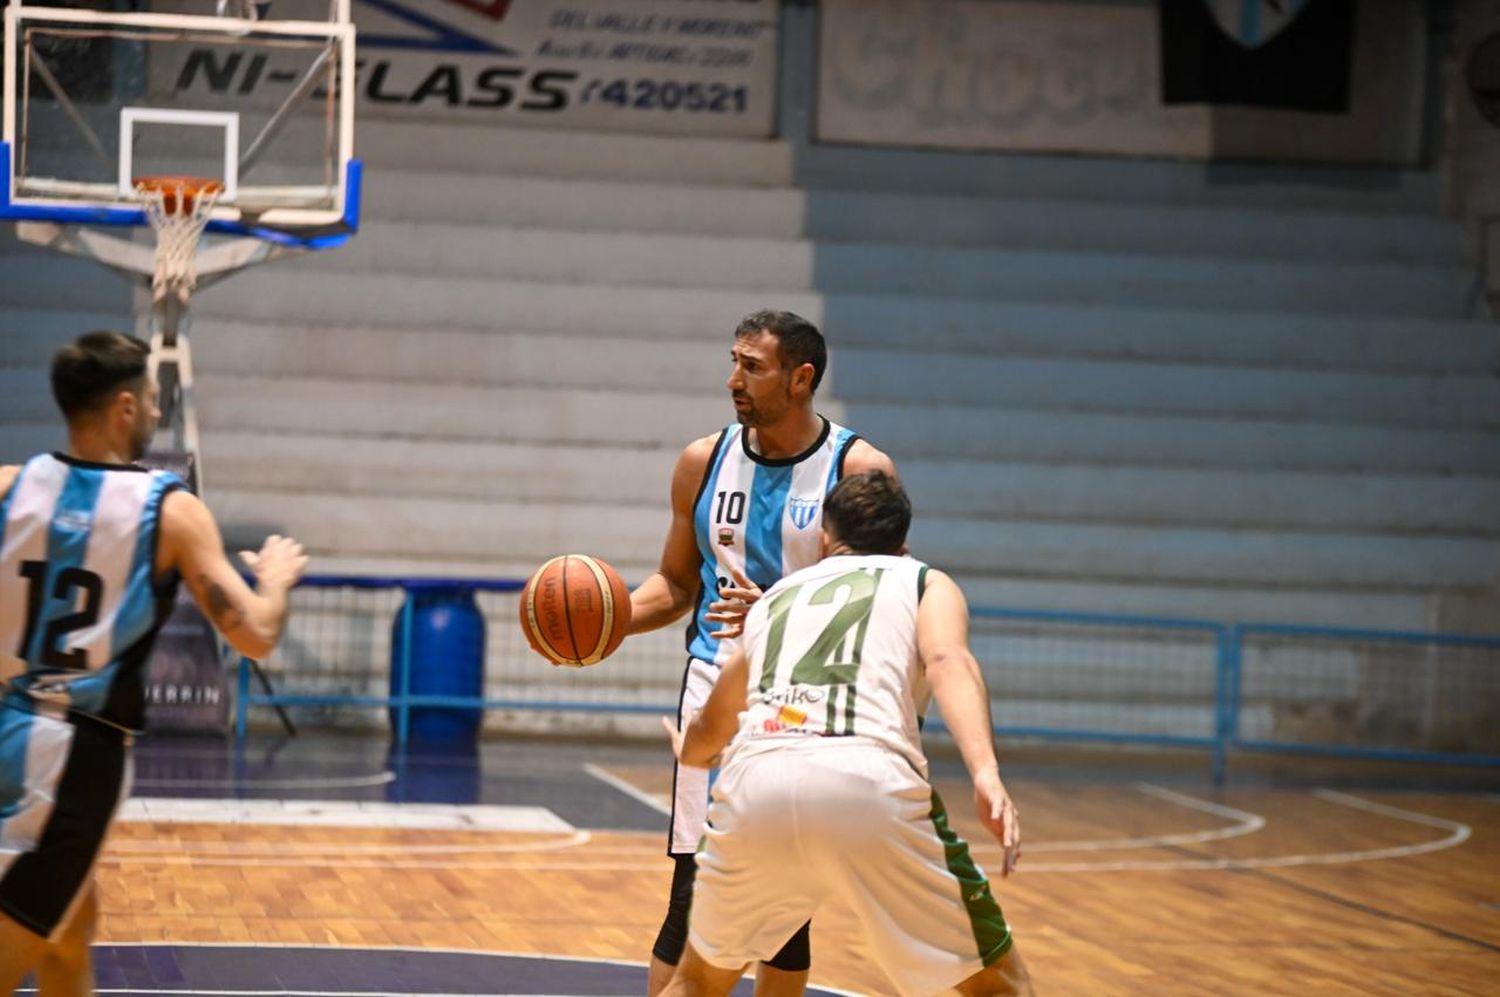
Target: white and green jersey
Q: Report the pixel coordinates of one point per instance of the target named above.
(833, 653)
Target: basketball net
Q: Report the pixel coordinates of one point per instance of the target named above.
(178, 209)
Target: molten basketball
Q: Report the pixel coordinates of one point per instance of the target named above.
(574, 610)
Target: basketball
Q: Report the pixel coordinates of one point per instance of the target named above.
(574, 610)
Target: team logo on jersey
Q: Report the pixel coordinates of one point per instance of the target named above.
(76, 522)
(802, 511)
(726, 537)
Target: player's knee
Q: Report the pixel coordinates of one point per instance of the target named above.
(672, 938)
(796, 955)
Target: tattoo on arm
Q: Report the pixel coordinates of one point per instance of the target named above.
(221, 608)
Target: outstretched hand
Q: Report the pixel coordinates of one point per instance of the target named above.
(998, 814)
(679, 736)
(674, 735)
(279, 564)
(730, 608)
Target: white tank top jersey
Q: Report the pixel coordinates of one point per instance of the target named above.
(760, 516)
(79, 604)
(833, 653)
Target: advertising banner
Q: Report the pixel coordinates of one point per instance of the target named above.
(186, 687)
(968, 74)
(702, 67)
(1087, 77)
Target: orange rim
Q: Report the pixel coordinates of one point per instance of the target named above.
(189, 188)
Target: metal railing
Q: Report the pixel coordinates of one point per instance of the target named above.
(1390, 694)
(355, 648)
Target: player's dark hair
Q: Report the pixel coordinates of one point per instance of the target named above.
(90, 370)
(869, 513)
(799, 340)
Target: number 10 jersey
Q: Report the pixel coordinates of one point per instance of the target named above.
(79, 603)
(762, 517)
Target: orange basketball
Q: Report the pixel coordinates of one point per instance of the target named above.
(574, 610)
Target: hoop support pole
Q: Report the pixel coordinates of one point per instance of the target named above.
(172, 360)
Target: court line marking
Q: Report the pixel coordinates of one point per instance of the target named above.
(1458, 834)
(198, 992)
(148, 850)
(322, 782)
(1399, 813)
(337, 814)
(364, 814)
(275, 859)
(639, 795)
(1245, 822)
(439, 950)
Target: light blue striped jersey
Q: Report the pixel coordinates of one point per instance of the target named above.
(79, 606)
(760, 516)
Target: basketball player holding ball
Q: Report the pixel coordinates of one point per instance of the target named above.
(746, 510)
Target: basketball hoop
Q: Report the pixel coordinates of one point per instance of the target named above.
(178, 208)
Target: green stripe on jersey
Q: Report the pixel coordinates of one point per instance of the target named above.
(986, 921)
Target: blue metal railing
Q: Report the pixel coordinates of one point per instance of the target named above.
(1215, 741)
(1483, 708)
(1178, 682)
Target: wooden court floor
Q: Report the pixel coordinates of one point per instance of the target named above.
(1127, 886)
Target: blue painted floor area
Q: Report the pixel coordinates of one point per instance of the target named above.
(222, 970)
(504, 773)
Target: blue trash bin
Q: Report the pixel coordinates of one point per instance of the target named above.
(447, 659)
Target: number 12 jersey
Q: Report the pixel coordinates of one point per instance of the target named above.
(79, 602)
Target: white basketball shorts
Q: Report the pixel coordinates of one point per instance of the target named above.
(690, 785)
(796, 823)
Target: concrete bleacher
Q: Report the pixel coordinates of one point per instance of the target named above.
(1115, 386)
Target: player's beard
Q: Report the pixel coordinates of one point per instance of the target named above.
(754, 416)
(140, 439)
